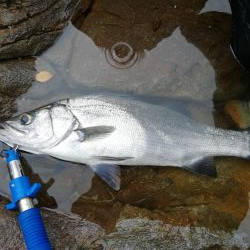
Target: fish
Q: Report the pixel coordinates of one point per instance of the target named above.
(108, 131)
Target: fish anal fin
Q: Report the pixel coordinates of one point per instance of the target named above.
(203, 166)
(109, 173)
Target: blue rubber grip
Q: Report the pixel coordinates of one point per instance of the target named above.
(33, 229)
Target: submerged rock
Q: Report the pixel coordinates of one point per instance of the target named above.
(173, 195)
(239, 112)
(143, 25)
(141, 234)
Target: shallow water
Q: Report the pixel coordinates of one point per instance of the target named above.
(175, 55)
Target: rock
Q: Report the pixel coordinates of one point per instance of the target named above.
(67, 232)
(26, 29)
(203, 31)
(142, 234)
(16, 77)
(172, 195)
(239, 113)
(143, 25)
(29, 27)
(64, 232)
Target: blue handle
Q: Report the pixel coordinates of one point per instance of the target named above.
(33, 230)
(10, 155)
(21, 188)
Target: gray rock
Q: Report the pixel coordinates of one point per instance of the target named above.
(64, 232)
(15, 79)
(26, 29)
(142, 234)
(29, 27)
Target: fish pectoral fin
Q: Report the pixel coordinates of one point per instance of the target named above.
(92, 133)
(203, 166)
(109, 173)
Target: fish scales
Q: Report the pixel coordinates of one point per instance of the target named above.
(100, 131)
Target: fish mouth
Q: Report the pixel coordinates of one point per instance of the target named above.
(8, 128)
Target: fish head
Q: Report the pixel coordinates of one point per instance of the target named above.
(42, 128)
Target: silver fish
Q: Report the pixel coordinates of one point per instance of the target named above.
(104, 131)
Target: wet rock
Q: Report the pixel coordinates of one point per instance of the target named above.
(64, 232)
(239, 113)
(74, 233)
(203, 31)
(26, 29)
(142, 24)
(172, 195)
(142, 234)
(16, 77)
(29, 27)
(7, 107)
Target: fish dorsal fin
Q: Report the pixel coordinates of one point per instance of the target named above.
(109, 173)
(203, 166)
(92, 133)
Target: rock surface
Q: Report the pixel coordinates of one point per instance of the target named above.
(142, 234)
(74, 233)
(144, 24)
(27, 28)
(64, 232)
(16, 77)
(172, 195)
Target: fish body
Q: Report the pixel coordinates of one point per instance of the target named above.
(102, 131)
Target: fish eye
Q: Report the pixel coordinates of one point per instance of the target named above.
(25, 119)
